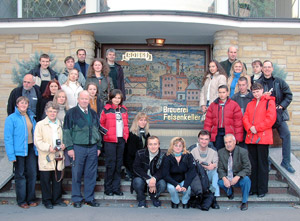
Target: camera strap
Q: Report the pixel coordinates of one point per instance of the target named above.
(62, 173)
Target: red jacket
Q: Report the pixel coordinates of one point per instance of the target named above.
(232, 119)
(108, 123)
(262, 118)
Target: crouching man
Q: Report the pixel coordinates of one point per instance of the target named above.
(147, 168)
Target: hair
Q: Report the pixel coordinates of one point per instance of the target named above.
(230, 135)
(22, 98)
(110, 50)
(113, 94)
(81, 49)
(69, 58)
(92, 83)
(220, 70)
(47, 92)
(105, 68)
(135, 127)
(256, 86)
(243, 79)
(56, 96)
(174, 141)
(51, 104)
(68, 80)
(44, 56)
(152, 138)
(244, 71)
(268, 61)
(223, 86)
(256, 62)
(204, 133)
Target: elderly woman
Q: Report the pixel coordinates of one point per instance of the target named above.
(179, 172)
(18, 138)
(47, 138)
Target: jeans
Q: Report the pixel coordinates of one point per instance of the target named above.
(140, 185)
(244, 183)
(175, 196)
(213, 179)
(285, 135)
(25, 176)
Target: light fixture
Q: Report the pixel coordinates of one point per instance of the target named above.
(155, 42)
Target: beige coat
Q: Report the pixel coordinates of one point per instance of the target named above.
(236, 86)
(43, 140)
(216, 81)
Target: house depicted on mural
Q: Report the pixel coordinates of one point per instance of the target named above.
(136, 85)
(192, 95)
(124, 65)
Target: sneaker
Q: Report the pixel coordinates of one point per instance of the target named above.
(156, 202)
(142, 204)
(288, 167)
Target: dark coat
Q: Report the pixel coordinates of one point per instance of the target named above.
(120, 79)
(242, 100)
(227, 66)
(44, 101)
(36, 72)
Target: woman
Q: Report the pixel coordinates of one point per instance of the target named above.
(179, 171)
(72, 88)
(215, 77)
(237, 70)
(98, 73)
(47, 139)
(258, 120)
(138, 135)
(114, 125)
(95, 101)
(52, 87)
(60, 98)
(18, 138)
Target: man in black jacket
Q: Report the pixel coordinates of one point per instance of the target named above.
(147, 168)
(278, 88)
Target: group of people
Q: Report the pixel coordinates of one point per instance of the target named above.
(80, 113)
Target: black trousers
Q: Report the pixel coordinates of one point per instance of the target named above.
(258, 155)
(219, 143)
(51, 189)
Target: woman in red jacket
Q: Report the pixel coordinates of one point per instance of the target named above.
(114, 125)
(258, 120)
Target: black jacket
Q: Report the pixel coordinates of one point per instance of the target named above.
(141, 165)
(120, 79)
(227, 66)
(36, 72)
(243, 100)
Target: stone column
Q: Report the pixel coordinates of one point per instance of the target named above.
(222, 41)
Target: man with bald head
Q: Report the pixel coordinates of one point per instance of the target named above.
(83, 142)
(232, 57)
(29, 90)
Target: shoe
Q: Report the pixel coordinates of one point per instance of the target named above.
(156, 202)
(215, 204)
(33, 204)
(231, 197)
(288, 167)
(108, 193)
(92, 203)
(261, 195)
(61, 204)
(142, 204)
(48, 206)
(118, 193)
(174, 205)
(252, 193)
(24, 206)
(244, 206)
(77, 204)
(186, 206)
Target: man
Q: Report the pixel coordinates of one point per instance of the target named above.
(147, 168)
(116, 71)
(80, 64)
(234, 169)
(208, 158)
(63, 77)
(29, 90)
(232, 57)
(83, 141)
(43, 73)
(278, 88)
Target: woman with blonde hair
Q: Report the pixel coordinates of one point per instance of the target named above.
(139, 132)
(60, 98)
(179, 171)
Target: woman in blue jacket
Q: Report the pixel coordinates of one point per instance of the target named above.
(18, 139)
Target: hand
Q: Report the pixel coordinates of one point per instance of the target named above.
(204, 108)
(62, 146)
(253, 130)
(279, 107)
(268, 93)
(210, 166)
(152, 189)
(71, 154)
(183, 189)
(178, 188)
(98, 152)
(226, 182)
(51, 150)
(152, 182)
(14, 161)
(235, 180)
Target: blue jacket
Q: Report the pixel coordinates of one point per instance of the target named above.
(77, 66)
(16, 134)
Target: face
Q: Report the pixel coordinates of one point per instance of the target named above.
(267, 69)
(22, 105)
(232, 53)
(116, 100)
(142, 122)
(238, 68)
(203, 141)
(111, 57)
(61, 98)
(84, 99)
(256, 68)
(243, 86)
(229, 143)
(44, 62)
(51, 114)
(28, 82)
(177, 147)
(73, 75)
(53, 88)
(213, 68)
(92, 90)
(70, 64)
(81, 56)
(223, 94)
(257, 93)
(153, 145)
(97, 66)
